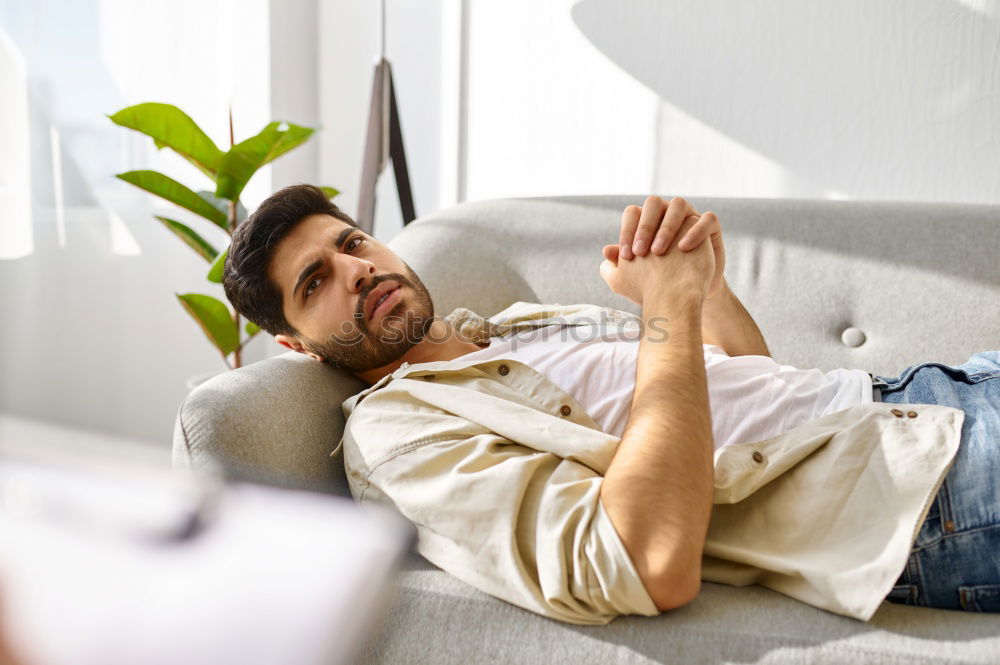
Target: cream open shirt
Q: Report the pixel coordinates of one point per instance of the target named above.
(503, 483)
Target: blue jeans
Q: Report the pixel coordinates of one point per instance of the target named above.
(955, 560)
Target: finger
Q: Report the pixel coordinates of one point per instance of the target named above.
(706, 225)
(630, 220)
(693, 236)
(649, 222)
(677, 212)
(611, 253)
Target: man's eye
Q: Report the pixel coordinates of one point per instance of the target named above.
(312, 284)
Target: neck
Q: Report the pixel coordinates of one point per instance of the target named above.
(451, 346)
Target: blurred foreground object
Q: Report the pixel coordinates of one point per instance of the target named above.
(108, 559)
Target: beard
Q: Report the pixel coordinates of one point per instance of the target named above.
(364, 345)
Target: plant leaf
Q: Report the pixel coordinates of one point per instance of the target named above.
(173, 191)
(214, 318)
(330, 192)
(192, 239)
(252, 328)
(172, 128)
(218, 265)
(239, 164)
(222, 205)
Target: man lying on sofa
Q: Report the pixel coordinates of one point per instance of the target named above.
(582, 462)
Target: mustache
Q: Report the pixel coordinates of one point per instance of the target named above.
(359, 310)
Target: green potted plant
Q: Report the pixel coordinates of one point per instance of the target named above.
(229, 171)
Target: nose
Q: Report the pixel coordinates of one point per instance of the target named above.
(356, 271)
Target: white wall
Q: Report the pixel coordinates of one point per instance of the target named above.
(841, 99)
(762, 98)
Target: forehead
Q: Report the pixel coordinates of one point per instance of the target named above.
(300, 248)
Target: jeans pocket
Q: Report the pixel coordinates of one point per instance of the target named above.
(980, 598)
(954, 373)
(903, 594)
(984, 365)
(982, 376)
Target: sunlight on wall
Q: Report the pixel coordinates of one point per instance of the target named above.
(15, 180)
(57, 185)
(757, 99)
(123, 243)
(695, 159)
(984, 7)
(154, 51)
(557, 116)
(547, 112)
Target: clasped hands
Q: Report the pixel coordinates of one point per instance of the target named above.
(662, 246)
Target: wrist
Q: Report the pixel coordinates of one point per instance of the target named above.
(722, 294)
(672, 299)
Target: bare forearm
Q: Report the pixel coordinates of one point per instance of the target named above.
(658, 488)
(726, 323)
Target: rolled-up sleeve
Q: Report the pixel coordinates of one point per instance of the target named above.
(523, 525)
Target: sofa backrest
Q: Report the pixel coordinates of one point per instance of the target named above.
(876, 286)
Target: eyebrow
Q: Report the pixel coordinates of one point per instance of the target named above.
(314, 266)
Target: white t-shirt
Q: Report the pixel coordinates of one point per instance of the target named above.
(751, 398)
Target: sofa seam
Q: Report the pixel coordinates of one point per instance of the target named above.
(184, 431)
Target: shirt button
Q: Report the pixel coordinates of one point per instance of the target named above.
(911, 414)
(757, 456)
(565, 410)
(897, 413)
(949, 526)
(503, 369)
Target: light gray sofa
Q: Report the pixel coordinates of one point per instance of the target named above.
(870, 285)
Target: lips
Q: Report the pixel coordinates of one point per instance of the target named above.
(372, 303)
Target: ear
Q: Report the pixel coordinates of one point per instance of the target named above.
(290, 342)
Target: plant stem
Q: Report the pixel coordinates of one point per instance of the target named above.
(236, 315)
(237, 360)
(237, 354)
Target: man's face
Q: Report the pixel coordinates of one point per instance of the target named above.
(330, 275)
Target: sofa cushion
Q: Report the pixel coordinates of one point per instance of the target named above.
(435, 618)
(273, 422)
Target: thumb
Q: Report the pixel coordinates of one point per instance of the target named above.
(609, 273)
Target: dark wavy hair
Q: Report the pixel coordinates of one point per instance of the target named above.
(245, 278)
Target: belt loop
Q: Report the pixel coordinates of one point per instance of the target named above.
(876, 391)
